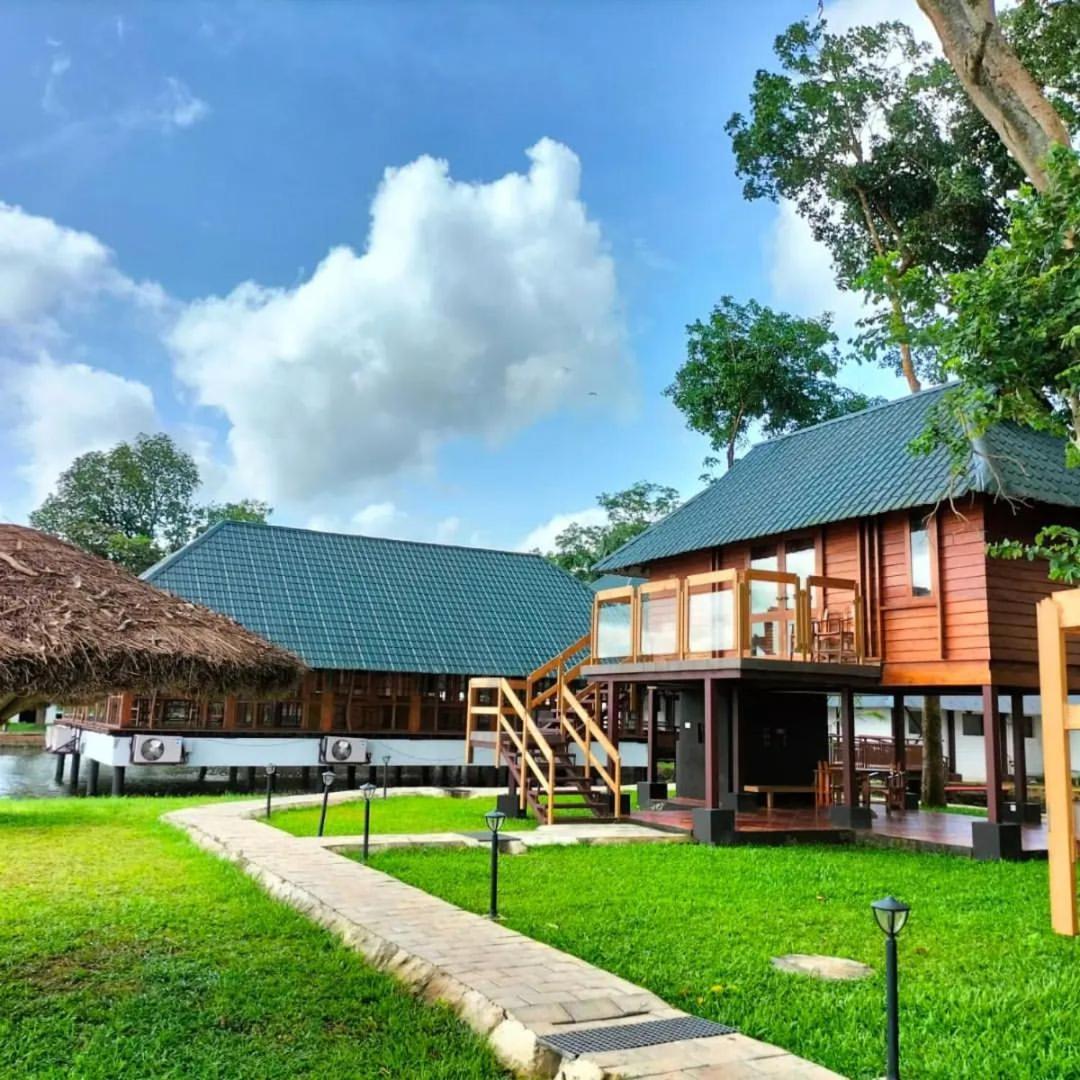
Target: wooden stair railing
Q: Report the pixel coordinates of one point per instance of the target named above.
(537, 746)
(593, 733)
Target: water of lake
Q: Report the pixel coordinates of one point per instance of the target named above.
(27, 772)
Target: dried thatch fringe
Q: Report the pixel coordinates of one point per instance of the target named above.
(74, 627)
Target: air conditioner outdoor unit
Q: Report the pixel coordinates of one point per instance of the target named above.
(157, 750)
(58, 737)
(343, 750)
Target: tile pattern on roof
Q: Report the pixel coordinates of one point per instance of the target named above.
(374, 604)
(852, 467)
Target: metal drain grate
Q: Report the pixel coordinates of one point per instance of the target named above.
(631, 1036)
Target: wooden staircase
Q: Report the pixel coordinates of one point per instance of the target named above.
(547, 735)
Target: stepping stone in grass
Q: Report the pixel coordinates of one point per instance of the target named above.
(822, 967)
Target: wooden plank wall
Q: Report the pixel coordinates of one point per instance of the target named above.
(1014, 588)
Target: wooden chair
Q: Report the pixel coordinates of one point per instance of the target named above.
(833, 638)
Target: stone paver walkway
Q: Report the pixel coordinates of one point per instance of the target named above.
(508, 987)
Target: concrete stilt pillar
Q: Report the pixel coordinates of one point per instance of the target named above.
(92, 770)
(58, 774)
(251, 778)
(118, 780)
(234, 772)
(202, 775)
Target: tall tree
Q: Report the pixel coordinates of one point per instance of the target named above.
(579, 547)
(133, 504)
(997, 81)
(749, 364)
(878, 148)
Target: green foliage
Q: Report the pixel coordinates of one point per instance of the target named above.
(749, 364)
(1046, 37)
(126, 953)
(1014, 333)
(135, 503)
(1058, 544)
(579, 547)
(250, 510)
(878, 147)
(699, 926)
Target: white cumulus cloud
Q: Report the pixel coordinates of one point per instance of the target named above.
(45, 266)
(474, 309)
(543, 537)
(63, 410)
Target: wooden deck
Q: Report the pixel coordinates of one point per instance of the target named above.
(920, 830)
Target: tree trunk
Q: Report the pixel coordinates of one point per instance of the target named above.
(933, 769)
(999, 85)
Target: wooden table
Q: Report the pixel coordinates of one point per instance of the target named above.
(772, 790)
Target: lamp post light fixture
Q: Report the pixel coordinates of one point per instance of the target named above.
(494, 819)
(385, 773)
(270, 771)
(891, 915)
(368, 790)
(328, 779)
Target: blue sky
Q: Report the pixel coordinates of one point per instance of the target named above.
(481, 353)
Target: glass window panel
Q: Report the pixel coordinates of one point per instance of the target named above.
(763, 594)
(764, 636)
(613, 636)
(921, 582)
(712, 621)
(659, 624)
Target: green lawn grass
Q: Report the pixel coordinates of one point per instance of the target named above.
(987, 990)
(15, 727)
(126, 952)
(398, 814)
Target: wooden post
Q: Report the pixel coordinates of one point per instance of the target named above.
(326, 711)
(228, 718)
(847, 746)
(652, 702)
(1016, 710)
(1054, 696)
(712, 764)
(899, 734)
(992, 750)
(127, 701)
(950, 734)
(613, 712)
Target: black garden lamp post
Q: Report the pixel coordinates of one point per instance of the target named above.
(385, 773)
(891, 915)
(328, 779)
(368, 790)
(494, 819)
(270, 770)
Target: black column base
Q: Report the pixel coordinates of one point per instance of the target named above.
(650, 791)
(1030, 813)
(510, 805)
(742, 801)
(118, 780)
(624, 801)
(911, 800)
(851, 817)
(715, 827)
(996, 840)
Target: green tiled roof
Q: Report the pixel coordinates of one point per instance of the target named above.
(854, 466)
(365, 603)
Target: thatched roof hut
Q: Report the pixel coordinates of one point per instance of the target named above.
(74, 627)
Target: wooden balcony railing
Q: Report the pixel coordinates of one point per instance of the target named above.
(731, 613)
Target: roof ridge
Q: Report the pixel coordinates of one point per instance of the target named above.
(194, 542)
(852, 415)
(365, 536)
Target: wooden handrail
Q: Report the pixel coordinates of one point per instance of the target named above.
(796, 610)
(594, 733)
(527, 761)
(555, 665)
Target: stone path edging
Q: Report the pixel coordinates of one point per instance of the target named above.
(507, 987)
